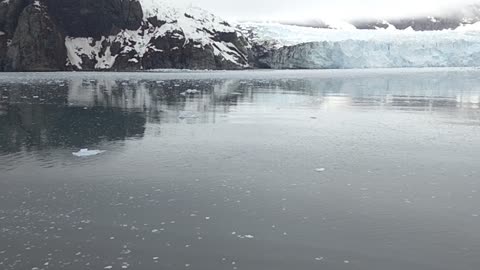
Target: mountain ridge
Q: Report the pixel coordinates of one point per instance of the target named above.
(117, 35)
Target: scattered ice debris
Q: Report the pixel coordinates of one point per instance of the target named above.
(86, 152)
(320, 169)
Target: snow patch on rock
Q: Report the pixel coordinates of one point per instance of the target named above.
(79, 48)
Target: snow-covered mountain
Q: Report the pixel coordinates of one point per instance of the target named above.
(169, 37)
(119, 35)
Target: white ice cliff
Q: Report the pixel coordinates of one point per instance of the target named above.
(311, 48)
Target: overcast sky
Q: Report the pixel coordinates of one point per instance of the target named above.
(297, 9)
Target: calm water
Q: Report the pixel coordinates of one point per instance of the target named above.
(248, 170)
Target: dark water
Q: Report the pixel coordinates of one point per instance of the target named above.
(253, 170)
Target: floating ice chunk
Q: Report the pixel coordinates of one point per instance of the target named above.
(320, 169)
(108, 267)
(319, 258)
(86, 152)
(247, 236)
(187, 115)
(190, 92)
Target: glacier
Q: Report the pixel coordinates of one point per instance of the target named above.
(294, 47)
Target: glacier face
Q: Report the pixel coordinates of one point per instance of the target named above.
(311, 48)
(375, 54)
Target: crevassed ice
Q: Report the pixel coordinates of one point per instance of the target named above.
(378, 54)
(303, 47)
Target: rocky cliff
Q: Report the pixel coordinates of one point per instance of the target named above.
(43, 35)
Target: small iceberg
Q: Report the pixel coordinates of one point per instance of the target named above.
(187, 115)
(190, 92)
(87, 153)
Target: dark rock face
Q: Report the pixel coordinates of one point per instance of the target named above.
(3, 50)
(96, 18)
(37, 45)
(9, 14)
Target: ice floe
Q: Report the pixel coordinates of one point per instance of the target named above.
(87, 153)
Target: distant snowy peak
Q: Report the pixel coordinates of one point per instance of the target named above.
(169, 37)
(446, 20)
(451, 19)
